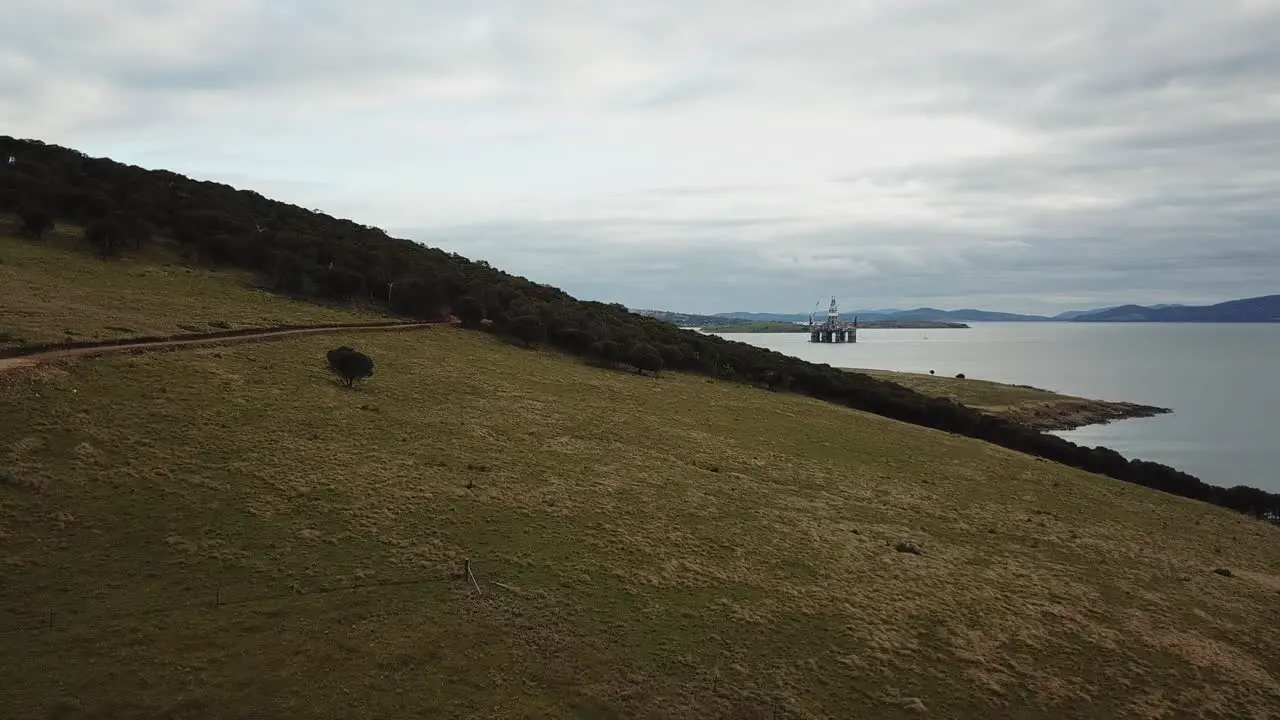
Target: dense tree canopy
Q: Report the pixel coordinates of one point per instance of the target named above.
(310, 254)
(349, 364)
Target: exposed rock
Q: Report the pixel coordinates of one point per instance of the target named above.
(1224, 572)
(906, 546)
(914, 705)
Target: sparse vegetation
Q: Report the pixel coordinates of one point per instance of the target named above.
(183, 508)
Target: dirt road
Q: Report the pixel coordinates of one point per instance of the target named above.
(13, 364)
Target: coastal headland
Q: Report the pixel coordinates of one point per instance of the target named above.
(1041, 409)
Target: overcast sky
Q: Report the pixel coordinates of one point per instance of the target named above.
(708, 155)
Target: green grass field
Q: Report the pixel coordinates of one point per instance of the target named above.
(52, 294)
(644, 547)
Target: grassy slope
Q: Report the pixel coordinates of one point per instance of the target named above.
(678, 548)
(981, 394)
(52, 295)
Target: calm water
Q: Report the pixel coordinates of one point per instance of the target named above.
(1220, 380)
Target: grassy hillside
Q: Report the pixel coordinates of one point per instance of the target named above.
(52, 294)
(1031, 406)
(666, 547)
(304, 253)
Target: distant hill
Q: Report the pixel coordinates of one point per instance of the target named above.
(804, 317)
(1258, 309)
(773, 326)
(1075, 314)
(965, 315)
(680, 319)
(764, 317)
(929, 314)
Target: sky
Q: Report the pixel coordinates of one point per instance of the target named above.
(707, 155)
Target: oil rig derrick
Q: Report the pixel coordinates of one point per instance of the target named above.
(832, 330)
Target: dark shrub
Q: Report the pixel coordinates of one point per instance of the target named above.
(645, 357)
(36, 221)
(106, 237)
(528, 329)
(960, 376)
(350, 365)
(672, 356)
(469, 311)
(606, 352)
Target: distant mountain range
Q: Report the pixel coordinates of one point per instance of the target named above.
(1259, 309)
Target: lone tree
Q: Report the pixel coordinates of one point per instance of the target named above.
(349, 364)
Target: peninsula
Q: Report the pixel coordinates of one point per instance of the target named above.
(1036, 408)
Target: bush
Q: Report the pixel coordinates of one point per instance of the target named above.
(469, 311)
(672, 356)
(105, 237)
(529, 329)
(645, 357)
(36, 221)
(606, 352)
(350, 365)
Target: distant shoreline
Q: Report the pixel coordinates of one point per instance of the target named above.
(777, 326)
(1036, 408)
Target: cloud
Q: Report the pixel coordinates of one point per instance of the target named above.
(710, 156)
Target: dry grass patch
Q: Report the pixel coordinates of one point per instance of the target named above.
(53, 293)
(666, 547)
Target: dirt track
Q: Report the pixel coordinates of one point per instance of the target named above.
(13, 364)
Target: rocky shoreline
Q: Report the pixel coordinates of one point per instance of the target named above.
(1071, 413)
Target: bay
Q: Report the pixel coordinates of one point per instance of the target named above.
(1219, 379)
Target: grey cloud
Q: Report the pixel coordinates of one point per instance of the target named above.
(1148, 166)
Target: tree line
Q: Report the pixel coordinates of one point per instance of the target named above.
(312, 255)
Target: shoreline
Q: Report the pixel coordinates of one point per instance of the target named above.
(1033, 407)
(774, 326)
(1074, 413)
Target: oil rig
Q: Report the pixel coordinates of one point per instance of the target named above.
(832, 331)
